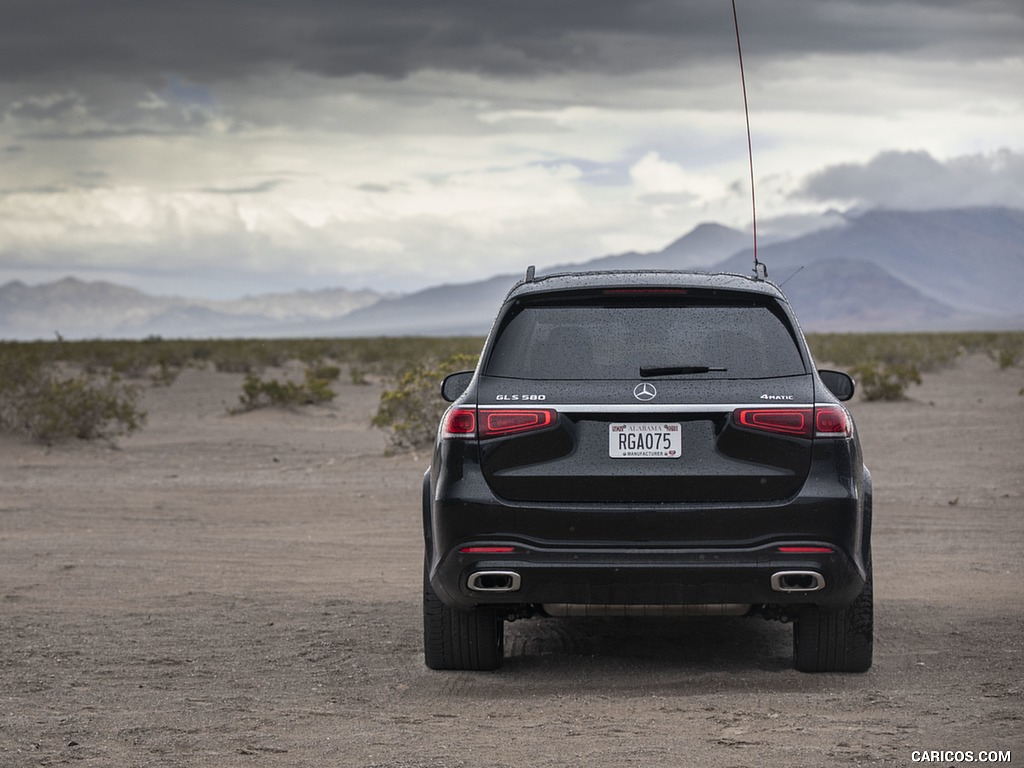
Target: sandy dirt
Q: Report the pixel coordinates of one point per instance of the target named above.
(245, 591)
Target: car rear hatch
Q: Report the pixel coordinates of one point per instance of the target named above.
(640, 398)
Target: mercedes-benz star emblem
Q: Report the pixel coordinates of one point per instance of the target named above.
(645, 391)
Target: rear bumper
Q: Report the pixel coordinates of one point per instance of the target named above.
(651, 554)
(532, 575)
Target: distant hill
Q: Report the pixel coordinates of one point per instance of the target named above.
(881, 270)
(469, 308)
(705, 245)
(844, 295)
(969, 259)
(73, 308)
(446, 310)
(76, 309)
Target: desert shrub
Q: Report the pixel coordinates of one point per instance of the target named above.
(390, 357)
(246, 355)
(884, 381)
(263, 393)
(80, 407)
(325, 371)
(20, 363)
(926, 351)
(37, 400)
(159, 359)
(1008, 350)
(411, 409)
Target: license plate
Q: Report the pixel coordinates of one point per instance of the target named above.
(645, 441)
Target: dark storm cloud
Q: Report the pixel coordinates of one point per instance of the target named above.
(53, 109)
(207, 40)
(916, 180)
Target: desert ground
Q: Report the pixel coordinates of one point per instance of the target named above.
(244, 590)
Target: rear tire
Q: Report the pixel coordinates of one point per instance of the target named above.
(455, 639)
(836, 640)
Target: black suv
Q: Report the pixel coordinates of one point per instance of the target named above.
(651, 443)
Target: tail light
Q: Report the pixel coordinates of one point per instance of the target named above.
(495, 422)
(459, 422)
(832, 421)
(820, 421)
(784, 421)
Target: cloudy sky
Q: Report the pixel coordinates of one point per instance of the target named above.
(222, 147)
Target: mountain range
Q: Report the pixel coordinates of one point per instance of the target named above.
(75, 309)
(881, 270)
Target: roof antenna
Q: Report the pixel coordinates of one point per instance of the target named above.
(760, 270)
(795, 273)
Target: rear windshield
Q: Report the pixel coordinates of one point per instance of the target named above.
(616, 341)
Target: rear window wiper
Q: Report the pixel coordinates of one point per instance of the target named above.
(678, 370)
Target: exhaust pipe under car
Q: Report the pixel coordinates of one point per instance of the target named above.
(494, 581)
(798, 581)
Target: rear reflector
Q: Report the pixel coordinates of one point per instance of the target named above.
(806, 550)
(487, 550)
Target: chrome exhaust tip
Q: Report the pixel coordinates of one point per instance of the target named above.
(797, 581)
(494, 581)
